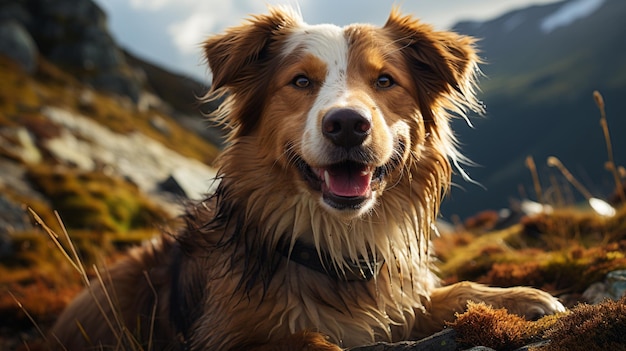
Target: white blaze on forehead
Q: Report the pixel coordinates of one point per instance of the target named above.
(329, 44)
(325, 41)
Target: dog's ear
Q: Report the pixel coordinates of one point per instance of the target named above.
(234, 54)
(239, 61)
(443, 64)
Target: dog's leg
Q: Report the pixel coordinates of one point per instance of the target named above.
(444, 302)
(305, 341)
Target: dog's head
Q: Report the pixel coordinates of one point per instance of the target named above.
(342, 115)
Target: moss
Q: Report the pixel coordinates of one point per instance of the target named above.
(585, 328)
(514, 274)
(559, 229)
(91, 200)
(18, 91)
(590, 328)
(30, 248)
(564, 251)
(482, 325)
(473, 255)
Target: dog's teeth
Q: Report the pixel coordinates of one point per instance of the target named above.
(366, 171)
(327, 178)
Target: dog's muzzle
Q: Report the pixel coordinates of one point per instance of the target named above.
(346, 182)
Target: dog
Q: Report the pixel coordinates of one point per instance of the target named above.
(339, 151)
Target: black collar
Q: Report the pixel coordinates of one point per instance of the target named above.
(308, 256)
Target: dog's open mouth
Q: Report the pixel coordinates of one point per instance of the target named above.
(344, 185)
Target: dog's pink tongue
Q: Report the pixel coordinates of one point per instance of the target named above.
(348, 181)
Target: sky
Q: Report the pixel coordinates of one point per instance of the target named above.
(169, 32)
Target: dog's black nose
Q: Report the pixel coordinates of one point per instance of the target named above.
(346, 127)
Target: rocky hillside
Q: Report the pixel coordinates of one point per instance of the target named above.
(110, 142)
(89, 130)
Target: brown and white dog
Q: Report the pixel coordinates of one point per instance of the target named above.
(317, 238)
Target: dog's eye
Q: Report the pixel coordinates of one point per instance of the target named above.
(301, 81)
(384, 81)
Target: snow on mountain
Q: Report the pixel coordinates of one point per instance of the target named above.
(568, 13)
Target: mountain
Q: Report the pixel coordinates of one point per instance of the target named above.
(542, 64)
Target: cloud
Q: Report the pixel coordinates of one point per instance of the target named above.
(210, 17)
(151, 5)
(188, 34)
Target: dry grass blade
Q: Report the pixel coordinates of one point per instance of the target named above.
(55, 238)
(83, 332)
(609, 148)
(30, 318)
(75, 261)
(600, 206)
(555, 162)
(116, 315)
(530, 163)
(154, 309)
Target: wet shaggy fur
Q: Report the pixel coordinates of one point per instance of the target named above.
(317, 238)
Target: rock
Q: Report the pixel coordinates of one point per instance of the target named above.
(613, 287)
(72, 151)
(78, 11)
(135, 156)
(595, 293)
(13, 218)
(158, 123)
(96, 56)
(14, 11)
(29, 151)
(13, 176)
(172, 186)
(17, 44)
(442, 341)
(533, 346)
(64, 20)
(19, 143)
(74, 34)
(187, 183)
(86, 100)
(118, 82)
(616, 284)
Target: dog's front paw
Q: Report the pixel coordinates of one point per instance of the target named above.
(529, 303)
